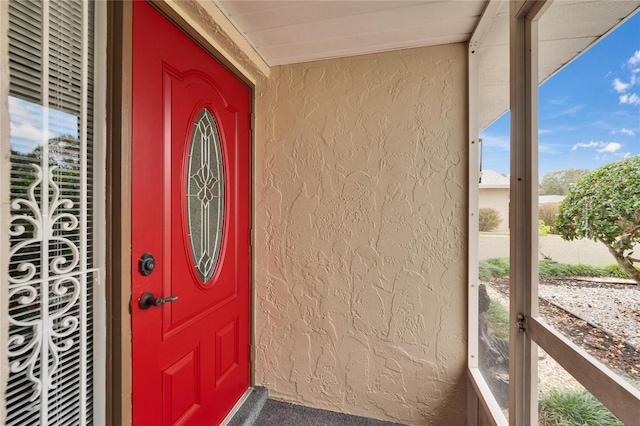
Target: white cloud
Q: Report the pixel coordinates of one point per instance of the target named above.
(603, 147)
(570, 111)
(631, 99)
(619, 86)
(626, 155)
(591, 144)
(27, 131)
(27, 124)
(559, 101)
(623, 87)
(610, 147)
(548, 148)
(624, 131)
(496, 142)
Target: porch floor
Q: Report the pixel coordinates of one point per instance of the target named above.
(286, 414)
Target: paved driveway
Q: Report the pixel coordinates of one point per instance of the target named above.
(578, 251)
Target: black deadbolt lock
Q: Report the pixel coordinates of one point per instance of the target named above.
(146, 264)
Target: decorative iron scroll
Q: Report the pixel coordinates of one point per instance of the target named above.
(58, 278)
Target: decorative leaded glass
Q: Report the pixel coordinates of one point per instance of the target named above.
(205, 195)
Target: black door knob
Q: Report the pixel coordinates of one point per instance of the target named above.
(146, 264)
(148, 300)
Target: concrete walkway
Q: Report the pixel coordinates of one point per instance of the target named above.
(577, 251)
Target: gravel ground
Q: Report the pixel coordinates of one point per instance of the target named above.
(613, 307)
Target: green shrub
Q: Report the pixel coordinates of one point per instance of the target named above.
(617, 272)
(563, 270)
(485, 272)
(574, 408)
(500, 262)
(498, 267)
(498, 320)
(493, 268)
(548, 213)
(488, 219)
(543, 229)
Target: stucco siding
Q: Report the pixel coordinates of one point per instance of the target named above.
(360, 276)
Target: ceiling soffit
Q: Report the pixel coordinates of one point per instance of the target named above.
(286, 32)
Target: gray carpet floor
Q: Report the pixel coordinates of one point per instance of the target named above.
(276, 413)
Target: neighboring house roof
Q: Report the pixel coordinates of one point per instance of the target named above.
(491, 179)
(549, 199)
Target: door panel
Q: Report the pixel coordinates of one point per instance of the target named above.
(181, 387)
(190, 356)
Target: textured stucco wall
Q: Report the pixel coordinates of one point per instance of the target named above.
(361, 207)
(496, 198)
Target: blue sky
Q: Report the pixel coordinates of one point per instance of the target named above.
(589, 113)
(27, 124)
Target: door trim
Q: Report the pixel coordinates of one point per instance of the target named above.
(118, 199)
(118, 194)
(232, 50)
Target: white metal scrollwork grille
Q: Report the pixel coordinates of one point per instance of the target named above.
(51, 270)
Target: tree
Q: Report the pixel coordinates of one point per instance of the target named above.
(64, 155)
(558, 183)
(604, 205)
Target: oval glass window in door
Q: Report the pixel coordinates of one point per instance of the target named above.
(205, 195)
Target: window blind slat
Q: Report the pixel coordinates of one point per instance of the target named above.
(25, 51)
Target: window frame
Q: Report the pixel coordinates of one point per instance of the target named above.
(91, 238)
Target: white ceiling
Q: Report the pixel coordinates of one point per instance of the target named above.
(286, 32)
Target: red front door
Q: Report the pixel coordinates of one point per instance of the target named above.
(191, 194)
